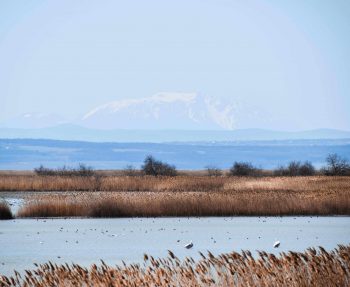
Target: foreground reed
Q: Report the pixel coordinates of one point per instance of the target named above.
(5, 211)
(157, 204)
(314, 267)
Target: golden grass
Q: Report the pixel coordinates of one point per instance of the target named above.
(5, 211)
(314, 267)
(179, 183)
(49, 183)
(171, 203)
(115, 196)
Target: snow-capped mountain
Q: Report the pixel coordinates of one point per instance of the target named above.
(167, 110)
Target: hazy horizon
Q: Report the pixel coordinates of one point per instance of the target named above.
(208, 65)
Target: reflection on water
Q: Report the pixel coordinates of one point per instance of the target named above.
(14, 203)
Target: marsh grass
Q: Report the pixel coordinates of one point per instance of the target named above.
(124, 196)
(314, 267)
(5, 211)
(28, 182)
(160, 204)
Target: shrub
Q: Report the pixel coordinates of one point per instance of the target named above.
(130, 170)
(244, 169)
(82, 170)
(336, 165)
(155, 167)
(41, 170)
(5, 211)
(213, 171)
(307, 169)
(293, 168)
(296, 168)
(280, 171)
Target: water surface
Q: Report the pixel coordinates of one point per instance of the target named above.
(86, 241)
(25, 154)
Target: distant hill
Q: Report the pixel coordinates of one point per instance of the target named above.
(74, 132)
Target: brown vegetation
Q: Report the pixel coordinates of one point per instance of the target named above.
(81, 170)
(5, 211)
(102, 182)
(314, 267)
(118, 196)
(264, 196)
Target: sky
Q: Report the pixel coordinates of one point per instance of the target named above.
(285, 62)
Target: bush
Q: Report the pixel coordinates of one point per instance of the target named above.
(155, 167)
(280, 171)
(5, 211)
(336, 165)
(130, 170)
(82, 170)
(296, 168)
(307, 169)
(214, 171)
(244, 169)
(293, 168)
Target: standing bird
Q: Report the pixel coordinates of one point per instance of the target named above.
(276, 244)
(189, 245)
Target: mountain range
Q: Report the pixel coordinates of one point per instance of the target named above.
(167, 110)
(163, 117)
(163, 111)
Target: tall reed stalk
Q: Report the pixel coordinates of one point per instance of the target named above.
(314, 267)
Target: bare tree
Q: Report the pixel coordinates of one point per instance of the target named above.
(213, 170)
(336, 165)
(130, 170)
(307, 169)
(296, 168)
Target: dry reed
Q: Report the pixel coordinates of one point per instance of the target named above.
(180, 196)
(314, 267)
(157, 204)
(27, 182)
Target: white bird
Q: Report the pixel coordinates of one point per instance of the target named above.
(276, 244)
(189, 245)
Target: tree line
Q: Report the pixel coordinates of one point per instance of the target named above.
(335, 166)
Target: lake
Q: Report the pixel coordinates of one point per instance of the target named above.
(86, 241)
(26, 154)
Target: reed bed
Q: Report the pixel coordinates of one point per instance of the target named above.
(5, 211)
(28, 182)
(158, 204)
(313, 267)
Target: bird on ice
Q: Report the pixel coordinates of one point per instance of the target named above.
(189, 245)
(276, 244)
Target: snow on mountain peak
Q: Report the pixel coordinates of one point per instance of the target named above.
(165, 110)
(157, 98)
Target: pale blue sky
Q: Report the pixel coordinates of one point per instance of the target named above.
(286, 60)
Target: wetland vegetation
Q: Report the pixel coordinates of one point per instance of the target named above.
(313, 267)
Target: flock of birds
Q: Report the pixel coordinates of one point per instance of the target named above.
(189, 245)
(75, 234)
